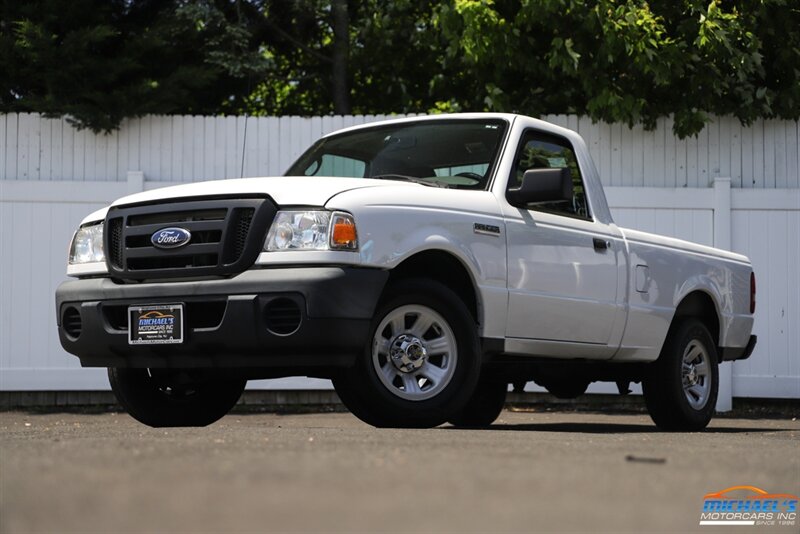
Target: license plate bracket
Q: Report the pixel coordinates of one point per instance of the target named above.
(156, 324)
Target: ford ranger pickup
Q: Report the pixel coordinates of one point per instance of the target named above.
(422, 264)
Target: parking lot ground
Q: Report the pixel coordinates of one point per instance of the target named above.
(532, 471)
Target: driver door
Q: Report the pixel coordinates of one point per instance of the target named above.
(562, 264)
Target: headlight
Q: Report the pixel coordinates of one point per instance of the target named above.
(87, 245)
(312, 230)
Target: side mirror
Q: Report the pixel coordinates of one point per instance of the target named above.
(541, 185)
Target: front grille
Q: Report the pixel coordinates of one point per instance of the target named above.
(115, 242)
(226, 236)
(243, 218)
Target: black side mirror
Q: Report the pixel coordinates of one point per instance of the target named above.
(541, 185)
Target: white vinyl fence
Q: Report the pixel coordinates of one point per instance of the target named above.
(44, 165)
(763, 224)
(186, 149)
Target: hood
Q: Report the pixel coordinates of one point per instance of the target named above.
(284, 190)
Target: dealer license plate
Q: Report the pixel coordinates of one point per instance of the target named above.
(155, 325)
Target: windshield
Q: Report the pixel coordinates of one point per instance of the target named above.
(444, 153)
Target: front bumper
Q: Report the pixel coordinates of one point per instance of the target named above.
(228, 322)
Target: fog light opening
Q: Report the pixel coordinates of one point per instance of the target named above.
(283, 316)
(71, 322)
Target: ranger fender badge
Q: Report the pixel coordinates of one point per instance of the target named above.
(487, 229)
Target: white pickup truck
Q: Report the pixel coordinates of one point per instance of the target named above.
(422, 264)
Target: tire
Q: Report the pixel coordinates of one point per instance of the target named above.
(173, 398)
(351, 400)
(566, 389)
(436, 362)
(681, 387)
(485, 405)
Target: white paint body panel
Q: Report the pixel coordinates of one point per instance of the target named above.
(555, 275)
(675, 269)
(541, 286)
(394, 223)
(297, 191)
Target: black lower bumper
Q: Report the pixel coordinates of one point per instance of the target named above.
(730, 354)
(228, 323)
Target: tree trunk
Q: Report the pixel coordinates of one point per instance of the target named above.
(341, 55)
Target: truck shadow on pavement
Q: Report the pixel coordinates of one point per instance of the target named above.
(614, 428)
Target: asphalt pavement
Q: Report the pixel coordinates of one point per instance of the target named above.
(531, 472)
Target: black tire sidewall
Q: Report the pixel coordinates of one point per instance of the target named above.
(485, 405)
(379, 406)
(663, 388)
(140, 396)
(697, 331)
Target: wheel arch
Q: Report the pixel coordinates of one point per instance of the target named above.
(700, 305)
(445, 268)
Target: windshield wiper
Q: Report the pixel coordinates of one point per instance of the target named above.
(406, 178)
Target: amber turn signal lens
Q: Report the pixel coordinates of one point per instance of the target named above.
(344, 235)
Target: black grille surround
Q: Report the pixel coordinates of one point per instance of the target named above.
(227, 236)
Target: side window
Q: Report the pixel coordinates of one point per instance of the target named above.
(542, 151)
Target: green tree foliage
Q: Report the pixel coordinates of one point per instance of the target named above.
(628, 61)
(99, 61)
(395, 61)
(298, 40)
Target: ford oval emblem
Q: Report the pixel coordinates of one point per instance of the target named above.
(171, 238)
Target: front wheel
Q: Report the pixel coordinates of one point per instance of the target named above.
(422, 362)
(168, 398)
(485, 405)
(681, 387)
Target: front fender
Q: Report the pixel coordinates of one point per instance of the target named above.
(395, 224)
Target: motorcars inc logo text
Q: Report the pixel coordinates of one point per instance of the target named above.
(749, 505)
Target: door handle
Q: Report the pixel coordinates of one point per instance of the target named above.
(600, 244)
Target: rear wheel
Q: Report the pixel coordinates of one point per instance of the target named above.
(681, 388)
(485, 405)
(422, 363)
(167, 398)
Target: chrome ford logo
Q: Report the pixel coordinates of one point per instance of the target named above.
(170, 238)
